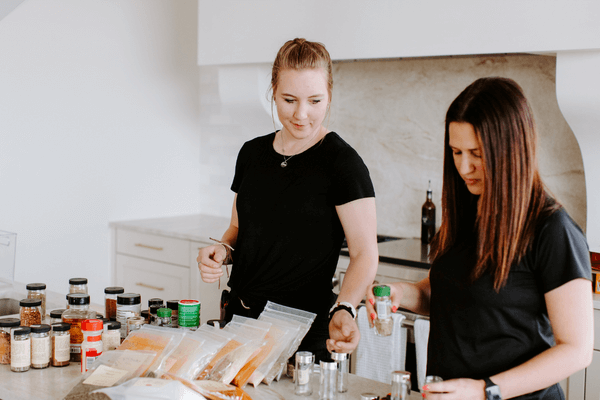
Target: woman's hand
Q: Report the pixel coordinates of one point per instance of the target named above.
(455, 389)
(343, 333)
(210, 259)
(395, 296)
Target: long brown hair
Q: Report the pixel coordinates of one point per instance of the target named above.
(514, 197)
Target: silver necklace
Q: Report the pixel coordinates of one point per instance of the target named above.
(286, 159)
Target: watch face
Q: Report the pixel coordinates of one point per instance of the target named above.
(493, 393)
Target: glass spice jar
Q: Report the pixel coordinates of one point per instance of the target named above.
(20, 349)
(303, 372)
(164, 317)
(78, 311)
(328, 383)
(78, 285)
(133, 324)
(400, 385)
(155, 301)
(342, 370)
(383, 305)
(30, 312)
(153, 314)
(173, 305)
(111, 337)
(56, 315)
(38, 291)
(6, 325)
(146, 315)
(92, 345)
(128, 305)
(110, 300)
(61, 344)
(40, 346)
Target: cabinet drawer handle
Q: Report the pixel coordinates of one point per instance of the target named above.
(148, 247)
(149, 286)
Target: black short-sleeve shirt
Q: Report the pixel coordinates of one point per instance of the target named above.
(476, 332)
(290, 236)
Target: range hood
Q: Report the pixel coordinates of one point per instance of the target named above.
(240, 38)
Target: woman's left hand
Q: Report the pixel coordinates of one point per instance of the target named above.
(343, 333)
(455, 389)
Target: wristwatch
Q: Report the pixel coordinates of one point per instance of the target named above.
(344, 305)
(492, 391)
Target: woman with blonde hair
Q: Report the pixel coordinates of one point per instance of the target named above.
(508, 293)
(299, 191)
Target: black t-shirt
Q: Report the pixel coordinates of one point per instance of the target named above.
(476, 332)
(290, 236)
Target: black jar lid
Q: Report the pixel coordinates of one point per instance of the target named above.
(114, 290)
(30, 303)
(57, 313)
(78, 281)
(105, 321)
(112, 325)
(9, 322)
(22, 330)
(128, 299)
(78, 299)
(154, 309)
(155, 301)
(173, 304)
(40, 328)
(36, 286)
(61, 327)
(145, 313)
(99, 316)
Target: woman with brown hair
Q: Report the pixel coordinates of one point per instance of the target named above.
(508, 292)
(299, 191)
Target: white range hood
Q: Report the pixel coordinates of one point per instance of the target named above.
(241, 38)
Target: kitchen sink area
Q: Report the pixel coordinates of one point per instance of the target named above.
(8, 306)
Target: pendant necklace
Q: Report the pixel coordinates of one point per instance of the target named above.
(286, 159)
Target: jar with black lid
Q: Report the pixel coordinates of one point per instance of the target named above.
(56, 315)
(146, 315)
(38, 291)
(110, 300)
(111, 337)
(174, 306)
(30, 312)
(20, 349)
(153, 314)
(155, 301)
(78, 311)
(40, 346)
(61, 344)
(6, 325)
(78, 285)
(128, 305)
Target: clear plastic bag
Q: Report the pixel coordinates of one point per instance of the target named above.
(118, 366)
(186, 352)
(153, 389)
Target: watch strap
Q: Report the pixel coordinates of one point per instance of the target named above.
(343, 305)
(492, 391)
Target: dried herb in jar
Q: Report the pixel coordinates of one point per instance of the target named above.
(31, 313)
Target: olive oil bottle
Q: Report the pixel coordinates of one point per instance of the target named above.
(428, 218)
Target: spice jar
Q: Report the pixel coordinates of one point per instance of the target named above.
(61, 344)
(20, 349)
(30, 312)
(153, 314)
(342, 370)
(78, 285)
(38, 291)
(189, 314)
(133, 324)
(6, 325)
(128, 305)
(155, 301)
(78, 311)
(111, 337)
(40, 346)
(327, 387)
(92, 347)
(173, 305)
(164, 317)
(56, 315)
(146, 315)
(400, 385)
(303, 370)
(383, 305)
(110, 300)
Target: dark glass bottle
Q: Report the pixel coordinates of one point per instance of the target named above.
(428, 218)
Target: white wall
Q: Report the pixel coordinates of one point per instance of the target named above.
(98, 122)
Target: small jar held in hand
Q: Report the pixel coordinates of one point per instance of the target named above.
(383, 305)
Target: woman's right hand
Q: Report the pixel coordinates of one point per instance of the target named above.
(210, 259)
(395, 296)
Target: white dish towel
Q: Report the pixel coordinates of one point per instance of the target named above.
(377, 356)
(421, 340)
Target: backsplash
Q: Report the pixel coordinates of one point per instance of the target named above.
(392, 112)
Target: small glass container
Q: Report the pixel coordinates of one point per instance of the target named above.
(110, 300)
(155, 301)
(61, 344)
(78, 285)
(400, 385)
(111, 337)
(30, 312)
(146, 315)
(383, 305)
(342, 370)
(369, 396)
(20, 349)
(328, 382)
(79, 310)
(128, 305)
(38, 291)
(133, 324)
(6, 325)
(303, 371)
(40, 346)
(164, 317)
(56, 315)
(92, 347)
(173, 305)
(153, 314)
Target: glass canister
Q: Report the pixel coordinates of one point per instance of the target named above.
(342, 370)
(110, 301)
(128, 305)
(20, 349)
(56, 315)
(153, 314)
(92, 345)
(38, 291)
(111, 337)
(173, 305)
(6, 325)
(40, 346)
(303, 372)
(383, 305)
(400, 385)
(164, 317)
(146, 315)
(328, 382)
(31, 312)
(61, 344)
(78, 285)
(155, 301)
(78, 311)
(133, 324)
